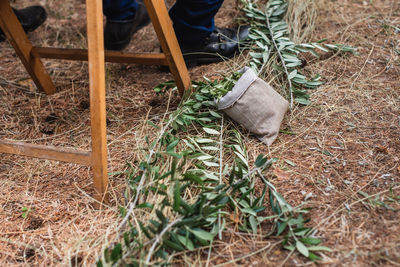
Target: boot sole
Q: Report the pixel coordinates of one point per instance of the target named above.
(193, 61)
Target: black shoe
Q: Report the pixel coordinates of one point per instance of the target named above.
(218, 46)
(30, 17)
(118, 33)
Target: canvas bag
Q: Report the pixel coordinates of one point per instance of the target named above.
(255, 105)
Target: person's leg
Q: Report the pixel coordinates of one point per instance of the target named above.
(193, 20)
(200, 41)
(31, 17)
(119, 9)
(124, 18)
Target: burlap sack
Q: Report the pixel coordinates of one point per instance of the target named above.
(255, 105)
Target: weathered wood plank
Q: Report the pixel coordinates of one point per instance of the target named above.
(46, 152)
(94, 15)
(163, 26)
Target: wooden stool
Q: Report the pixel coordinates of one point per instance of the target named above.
(95, 54)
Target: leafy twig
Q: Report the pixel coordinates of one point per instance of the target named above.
(158, 239)
(221, 154)
(282, 61)
(132, 205)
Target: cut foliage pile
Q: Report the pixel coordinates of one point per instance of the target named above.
(189, 190)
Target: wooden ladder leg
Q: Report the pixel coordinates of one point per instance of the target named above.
(94, 15)
(163, 26)
(18, 39)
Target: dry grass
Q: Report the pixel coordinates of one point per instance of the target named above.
(301, 17)
(354, 116)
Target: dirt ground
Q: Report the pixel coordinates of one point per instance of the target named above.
(344, 146)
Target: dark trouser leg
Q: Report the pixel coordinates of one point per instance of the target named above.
(119, 9)
(124, 18)
(194, 19)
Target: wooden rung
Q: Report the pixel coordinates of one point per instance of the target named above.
(110, 56)
(46, 152)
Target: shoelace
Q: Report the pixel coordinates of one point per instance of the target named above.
(222, 34)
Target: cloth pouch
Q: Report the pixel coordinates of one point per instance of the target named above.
(255, 105)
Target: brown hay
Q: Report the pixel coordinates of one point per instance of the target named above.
(354, 116)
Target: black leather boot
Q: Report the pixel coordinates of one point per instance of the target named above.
(30, 17)
(118, 33)
(219, 45)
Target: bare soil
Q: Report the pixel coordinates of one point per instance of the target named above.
(345, 145)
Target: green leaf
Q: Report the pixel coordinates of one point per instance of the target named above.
(144, 230)
(210, 164)
(281, 227)
(116, 253)
(126, 239)
(177, 196)
(240, 156)
(310, 240)
(326, 152)
(200, 233)
(302, 249)
(320, 47)
(292, 74)
(302, 231)
(161, 216)
(186, 242)
(265, 56)
(205, 119)
(145, 205)
(291, 163)
(249, 211)
(205, 140)
(204, 157)
(256, 55)
(313, 257)
(302, 101)
(153, 125)
(294, 64)
(263, 36)
(175, 155)
(122, 211)
(212, 148)
(210, 131)
(214, 114)
(238, 149)
(172, 145)
(289, 247)
(260, 161)
(106, 255)
(253, 224)
(319, 248)
(173, 245)
(192, 177)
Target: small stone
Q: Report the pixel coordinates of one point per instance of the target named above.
(328, 188)
(308, 196)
